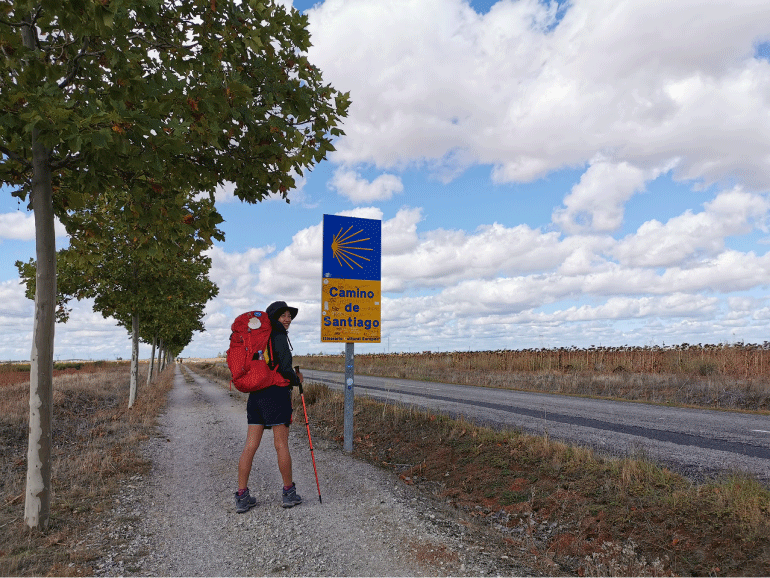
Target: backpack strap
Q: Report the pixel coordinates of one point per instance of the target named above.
(273, 362)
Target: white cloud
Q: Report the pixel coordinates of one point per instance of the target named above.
(442, 258)
(363, 213)
(236, 276)
(87, 335)
(501, 285)
(294, 273)
(676, 305)
(351, 185)
(225, 193)
(689, 237)
(499, 282)
(16, 313)
(20, 226)
(527, 90)
(399, 234)
(729, 271)
(597, 202)
(586, 255)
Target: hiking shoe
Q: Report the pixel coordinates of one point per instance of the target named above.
(291, 497)
(244, 502)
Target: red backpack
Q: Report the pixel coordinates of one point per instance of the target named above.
(250, 356)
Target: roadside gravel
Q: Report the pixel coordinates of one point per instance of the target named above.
(180, 520)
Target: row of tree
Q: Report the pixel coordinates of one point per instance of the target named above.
(121, 118)
(143, 266)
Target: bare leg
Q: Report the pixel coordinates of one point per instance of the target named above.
(253, 438)
(281, 440)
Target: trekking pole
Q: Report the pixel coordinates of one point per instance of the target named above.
(310, 441)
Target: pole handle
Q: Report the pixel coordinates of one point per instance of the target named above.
(296, 370)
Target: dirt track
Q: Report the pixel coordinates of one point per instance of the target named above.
(180, 520)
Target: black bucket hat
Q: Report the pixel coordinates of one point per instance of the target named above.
(276, 309)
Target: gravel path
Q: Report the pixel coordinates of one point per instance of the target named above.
(180, 519)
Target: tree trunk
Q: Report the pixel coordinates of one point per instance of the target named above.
(152, 360)
(37, 506)
(160, 355)
(134, 359)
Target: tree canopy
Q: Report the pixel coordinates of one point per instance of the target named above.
(121, 89)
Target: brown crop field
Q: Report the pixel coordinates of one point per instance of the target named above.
(13, 373)
(719, 376)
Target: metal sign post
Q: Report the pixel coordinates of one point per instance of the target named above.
(350, 295)
(347, 444)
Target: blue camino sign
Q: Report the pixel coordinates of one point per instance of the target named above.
(352, 248)
(352, 255)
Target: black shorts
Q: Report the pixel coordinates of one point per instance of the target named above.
(270, 406)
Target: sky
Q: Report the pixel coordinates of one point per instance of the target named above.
(548, 174)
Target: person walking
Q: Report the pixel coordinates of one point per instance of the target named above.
(270, 408)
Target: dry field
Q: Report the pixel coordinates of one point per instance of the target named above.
(716, 376)
(96, 448)
(12, 373)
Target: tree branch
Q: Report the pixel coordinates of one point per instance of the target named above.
(82, 53)
(14, 156)
(64, 161)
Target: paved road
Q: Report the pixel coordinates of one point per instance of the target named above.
(696, 442)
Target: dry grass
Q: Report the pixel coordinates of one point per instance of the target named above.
(96, 447)
(561, 509)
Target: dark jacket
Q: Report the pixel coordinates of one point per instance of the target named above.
(279, 339)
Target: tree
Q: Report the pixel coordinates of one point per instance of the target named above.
(198, 92)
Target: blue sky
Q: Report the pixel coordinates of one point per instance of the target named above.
(546, 174)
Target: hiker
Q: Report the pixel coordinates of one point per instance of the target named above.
(270, 408)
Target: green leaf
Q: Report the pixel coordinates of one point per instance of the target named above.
(75, 201)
